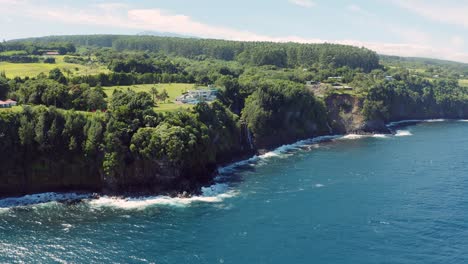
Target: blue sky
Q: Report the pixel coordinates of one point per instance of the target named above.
(426, 28)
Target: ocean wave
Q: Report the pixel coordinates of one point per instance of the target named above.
(234, 166)
(409, 121)
(435, 120)
(280, 152)
(352, 137)
(41, 198)
(214, 194)
(380, 136)
(403, 133)
(358, 136)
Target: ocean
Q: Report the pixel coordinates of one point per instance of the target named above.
(399, 198)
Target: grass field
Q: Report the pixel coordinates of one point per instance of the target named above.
(12, 109)
(173, 89)
(33, 69)
(464, 82)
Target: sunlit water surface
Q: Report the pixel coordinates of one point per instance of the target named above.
(380, 199)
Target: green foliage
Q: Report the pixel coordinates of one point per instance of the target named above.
(282, 111)
(57, 75)
(52, 93)
(4, 87)
(414, 97)
(256, 53)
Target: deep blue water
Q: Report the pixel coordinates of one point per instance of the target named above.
(397, 199)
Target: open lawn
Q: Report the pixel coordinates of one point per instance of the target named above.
(12, 109)
(464, 82)
(33, 69)
(173, 89)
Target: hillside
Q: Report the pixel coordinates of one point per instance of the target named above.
(256, 53)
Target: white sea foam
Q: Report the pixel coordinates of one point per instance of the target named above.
(144, 202)
(234, 166)
(41, 198)
(353, 137)
(403, 133)
(435, 120)
(380, 136)
(215, 193)
(402, 122)
(318, 185)
(282, 151)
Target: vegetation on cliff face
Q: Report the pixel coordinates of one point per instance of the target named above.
(414, 97)
(281, 111)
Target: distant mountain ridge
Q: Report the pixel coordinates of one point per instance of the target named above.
(416, 62)
(164, 34)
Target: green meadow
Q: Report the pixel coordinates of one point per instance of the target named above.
(464, 82)
(33, 69)
(173, 89)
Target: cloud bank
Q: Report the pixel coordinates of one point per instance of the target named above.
(121, 16)
(303, 3)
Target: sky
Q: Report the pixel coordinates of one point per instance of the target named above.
(418, 28)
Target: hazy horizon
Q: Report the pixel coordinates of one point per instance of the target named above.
(395, 27)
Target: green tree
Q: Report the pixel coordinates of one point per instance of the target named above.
(154, 93)
(163, 96)
(57, 75)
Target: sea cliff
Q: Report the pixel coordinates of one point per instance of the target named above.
(27, 171)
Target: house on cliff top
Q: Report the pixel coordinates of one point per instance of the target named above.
(8, 103)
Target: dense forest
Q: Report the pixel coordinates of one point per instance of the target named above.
(68, 134)
(254, 53)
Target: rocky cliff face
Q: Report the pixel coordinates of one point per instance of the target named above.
(155, 176)
(345, 116)
(46, 174)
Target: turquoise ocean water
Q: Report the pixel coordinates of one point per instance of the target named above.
(379, 199)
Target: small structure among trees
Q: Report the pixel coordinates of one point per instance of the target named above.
(8, 103)
(197, 96)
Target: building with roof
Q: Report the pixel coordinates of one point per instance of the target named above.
(8, 103)
(197, 96)
(51, 53)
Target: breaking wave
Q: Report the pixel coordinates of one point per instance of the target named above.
(41, 198)
(353, 136)
(214, 194)
(403, 133)
(282, 151)
(410, 121)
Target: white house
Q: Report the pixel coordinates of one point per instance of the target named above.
(196, 96)
(11, 102)
(7, 104)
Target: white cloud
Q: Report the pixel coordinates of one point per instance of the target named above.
(355, 8)
(111, 6)
(457, 41)
(411, 35)
(123, 17)
(440, 12)
(303, 3)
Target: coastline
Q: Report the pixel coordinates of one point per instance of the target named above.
(213, 192)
